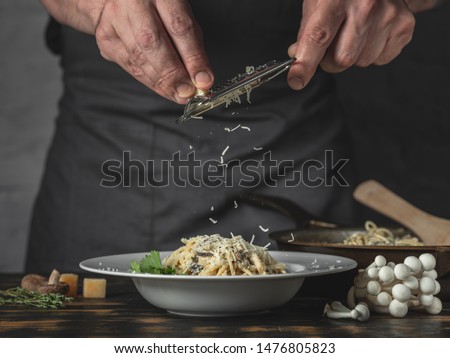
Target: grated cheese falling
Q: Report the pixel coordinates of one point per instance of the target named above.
(246, 128)
(263, 229)
(225, 150)
(253, 239)
(235, 204)
(212, 208)
(267, 245)
(232, 129)
(248, 89)
(213, 221)
(257, 148)
(292, 236)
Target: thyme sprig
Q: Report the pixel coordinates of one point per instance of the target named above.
(20, 296)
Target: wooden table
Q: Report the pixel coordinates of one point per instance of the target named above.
(124, 313)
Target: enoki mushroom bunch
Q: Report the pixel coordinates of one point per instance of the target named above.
(386, 287)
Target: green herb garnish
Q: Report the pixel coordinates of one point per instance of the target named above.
(151, 263)
(20, 296)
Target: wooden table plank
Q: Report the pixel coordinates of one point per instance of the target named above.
(125, 314)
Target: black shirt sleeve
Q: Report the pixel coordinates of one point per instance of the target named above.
(53, 36)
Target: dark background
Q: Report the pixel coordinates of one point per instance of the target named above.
(398, 116)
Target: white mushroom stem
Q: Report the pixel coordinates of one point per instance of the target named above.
(373, 288)
(361, 279)
(340, 314)
(363, 312)
(379, 309)
(339, 307)
(338, 310)
(360, 293)
(382, 299)
(351, 297)
(414, 304)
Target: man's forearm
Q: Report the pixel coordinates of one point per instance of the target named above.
(82, 15)
(422, 5)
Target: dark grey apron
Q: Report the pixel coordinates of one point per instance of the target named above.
(104, 113)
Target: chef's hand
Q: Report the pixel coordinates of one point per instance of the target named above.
(158, 42)
(337, 34)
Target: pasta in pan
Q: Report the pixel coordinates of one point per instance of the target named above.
(377, 236)
(213, 255)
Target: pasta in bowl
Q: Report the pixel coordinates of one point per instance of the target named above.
(214, 255)
(262, 279)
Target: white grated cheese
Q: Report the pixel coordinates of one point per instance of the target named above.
(232, 235)
(245, 127)
(253, 239)
(235, 204)
(263, 229)
(267, 245)
(257, 148)
(233, 129)
(212, 208)
(249, 69)
(248, 89)
(213, 221)
(292, 236)
(225, 150)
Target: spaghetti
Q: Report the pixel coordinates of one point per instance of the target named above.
(213, 255)
(380, 236)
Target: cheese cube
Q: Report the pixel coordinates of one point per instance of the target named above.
(94, 288)
(72, 280)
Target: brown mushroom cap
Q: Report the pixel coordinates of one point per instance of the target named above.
(41, 284)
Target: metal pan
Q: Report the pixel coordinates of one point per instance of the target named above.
(311, 234)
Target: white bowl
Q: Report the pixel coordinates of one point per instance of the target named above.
(223, 295)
